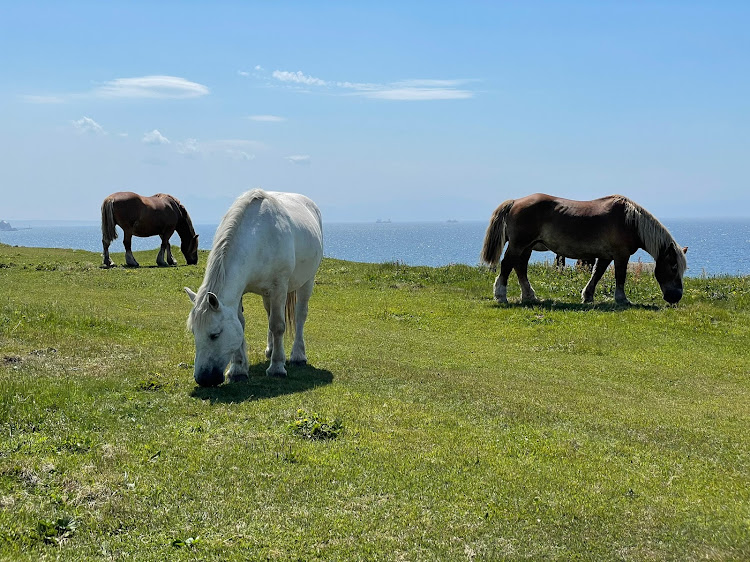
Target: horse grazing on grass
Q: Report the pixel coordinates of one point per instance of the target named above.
(160, 215)
(268, 243)
(608, 229)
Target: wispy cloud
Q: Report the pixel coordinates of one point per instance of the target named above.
(419, 94)
(299, 159)
(88, 125)
(160, 87)
(267, 118)
(51, 99)
(143, 87)
(404, 90)
(154, 137)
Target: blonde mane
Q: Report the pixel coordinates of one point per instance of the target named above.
(216, 266)
(652, 233)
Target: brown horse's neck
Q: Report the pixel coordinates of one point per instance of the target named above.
(184, 228)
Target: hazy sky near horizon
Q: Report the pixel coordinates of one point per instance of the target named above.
(392, 110)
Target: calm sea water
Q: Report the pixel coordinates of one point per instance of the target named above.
(717, 247)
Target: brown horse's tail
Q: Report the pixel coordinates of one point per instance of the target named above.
(109, 232)
(496, 236)
(291, 304)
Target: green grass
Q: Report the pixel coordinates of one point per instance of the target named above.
(464, 430)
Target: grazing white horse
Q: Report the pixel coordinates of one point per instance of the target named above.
(270, 244)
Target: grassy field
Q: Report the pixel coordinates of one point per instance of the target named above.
(457, 429)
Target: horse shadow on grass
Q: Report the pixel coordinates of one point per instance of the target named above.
(606, 306)
(260, 387)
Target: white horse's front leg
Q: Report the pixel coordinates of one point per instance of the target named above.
(276, 328)
(298, 356)
(238, 367)
(269, 337)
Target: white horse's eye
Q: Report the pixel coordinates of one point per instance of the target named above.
(214, 336)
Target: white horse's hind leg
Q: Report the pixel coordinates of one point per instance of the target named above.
(238, 367)
(298, 356)
(277, 326)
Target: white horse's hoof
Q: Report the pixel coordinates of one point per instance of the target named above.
(276, 371)
(237, 378)
(298, 362)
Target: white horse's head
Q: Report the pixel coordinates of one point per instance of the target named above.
(218, 335)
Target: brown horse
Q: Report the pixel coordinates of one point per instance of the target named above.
(141, 216)
(609, 229)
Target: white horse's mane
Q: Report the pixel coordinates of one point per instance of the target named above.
(216, 266)
(653, 234)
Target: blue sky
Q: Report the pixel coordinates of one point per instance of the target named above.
(391, 110)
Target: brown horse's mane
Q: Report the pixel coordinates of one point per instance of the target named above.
(216, 266)
(652, 233)
(185, 224)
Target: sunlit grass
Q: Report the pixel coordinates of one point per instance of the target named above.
(466, 430)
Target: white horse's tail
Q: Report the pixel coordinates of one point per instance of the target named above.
(109, 232)
(496, 235)
(291, 305)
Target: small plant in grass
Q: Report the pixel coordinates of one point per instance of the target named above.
(314, 426)
(56, 532)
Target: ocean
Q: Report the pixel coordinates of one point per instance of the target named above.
(716, 247)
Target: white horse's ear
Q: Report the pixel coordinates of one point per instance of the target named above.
(684, 250)
(190, 294)
(213, 301)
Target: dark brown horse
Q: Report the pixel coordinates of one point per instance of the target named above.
(141, 216)
(608, 229)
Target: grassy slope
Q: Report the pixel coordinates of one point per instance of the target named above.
(471, 431)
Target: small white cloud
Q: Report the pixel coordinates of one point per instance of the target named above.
(239, 155)
(88, 125)
(243, 73)
(298, 78)
(258, 67)
(164, 87)
(189, 148)
(154, 137)
(267, 118)
(299, 159)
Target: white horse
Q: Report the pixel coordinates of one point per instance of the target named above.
(270, 244)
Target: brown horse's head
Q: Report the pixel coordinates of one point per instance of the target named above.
(669, 267)
(189, 247)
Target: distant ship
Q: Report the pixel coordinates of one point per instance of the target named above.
(381, 221)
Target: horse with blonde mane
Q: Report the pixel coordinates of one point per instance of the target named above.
(158, 215)
(270, 244)
(608, 229)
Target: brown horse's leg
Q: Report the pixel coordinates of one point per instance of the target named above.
(601, 265)
(164, 248)
(129, 259)
(106, 259)
(500, 288)
(621, 271)
(522, 266)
